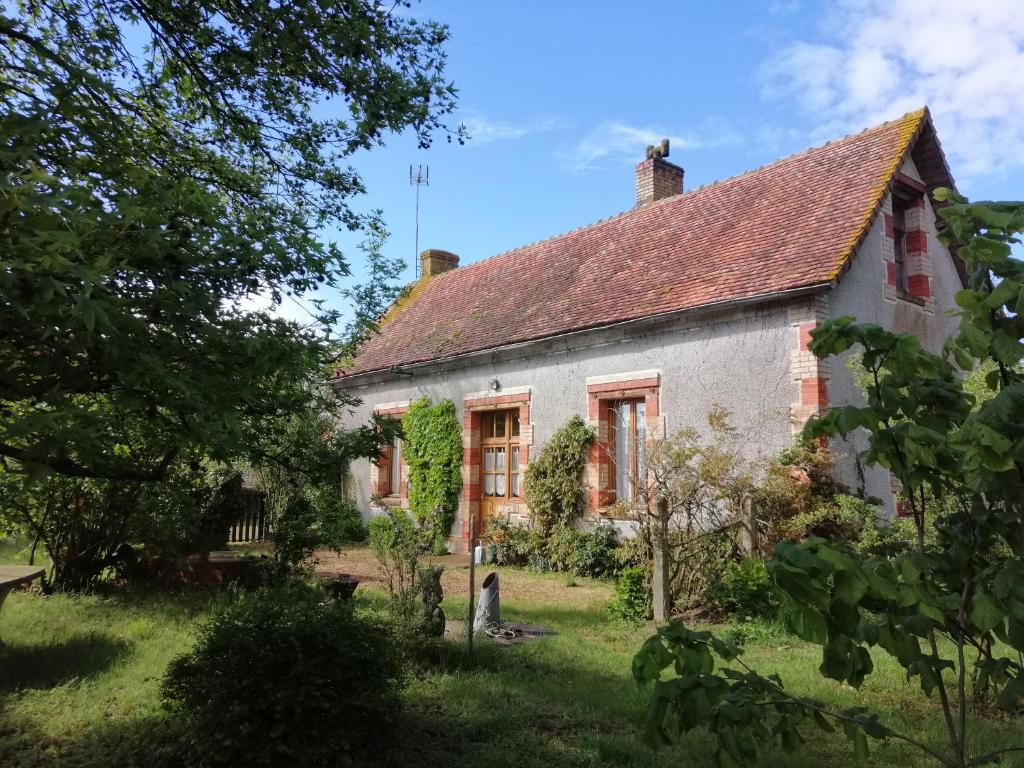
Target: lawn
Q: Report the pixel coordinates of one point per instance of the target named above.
(79, 686)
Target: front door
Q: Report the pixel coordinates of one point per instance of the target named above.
(500, 480)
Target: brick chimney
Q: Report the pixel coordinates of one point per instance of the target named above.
(656, 177)
(434, 261)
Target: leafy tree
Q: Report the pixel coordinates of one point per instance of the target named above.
(165, 168)
(300, 468)
(951, 610)
(372, 299)
(162, 164)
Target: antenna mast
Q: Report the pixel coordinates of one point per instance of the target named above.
(419, 176)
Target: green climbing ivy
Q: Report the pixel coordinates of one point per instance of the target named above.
(554, 482)
(433, 451)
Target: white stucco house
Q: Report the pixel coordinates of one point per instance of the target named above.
(643, 321)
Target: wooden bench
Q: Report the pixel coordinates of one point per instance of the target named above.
(12, 576)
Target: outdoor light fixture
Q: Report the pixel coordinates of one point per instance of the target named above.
(495, 385)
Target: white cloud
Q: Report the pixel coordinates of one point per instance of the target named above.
(882, 58)
(484, 130)
(612, 142)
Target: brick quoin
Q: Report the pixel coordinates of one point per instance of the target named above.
(890, 273)
(890, 230)
(919, 285)
(916, 241)
(805, 334)
(814, 391)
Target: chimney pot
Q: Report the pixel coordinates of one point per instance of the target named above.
(656, 177)
(434, 261)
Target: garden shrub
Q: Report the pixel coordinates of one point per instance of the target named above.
(583, 552)
(592, 553)
(798, 480)
(432, 448)
(515, 545)
(284, 677)
(697, 565)
(395, 541)
(841, 518)
(340, 520)
(744, 589)
(630, 602)
(311, 522)
(554, 480)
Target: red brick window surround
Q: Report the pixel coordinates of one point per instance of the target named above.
(625, 411)
(908, 269)
(480, 410)
(389, 476)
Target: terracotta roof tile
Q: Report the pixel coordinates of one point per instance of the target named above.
(787, 225)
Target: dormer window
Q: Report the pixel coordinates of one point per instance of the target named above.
(899, 244)
(909, 270)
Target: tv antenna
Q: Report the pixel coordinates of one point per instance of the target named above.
(419, 176)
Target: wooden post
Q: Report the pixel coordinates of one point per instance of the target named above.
(748, 527)
(660, 577)
(472, 582)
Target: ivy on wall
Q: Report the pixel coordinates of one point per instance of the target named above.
(433, 450)
(554, 481)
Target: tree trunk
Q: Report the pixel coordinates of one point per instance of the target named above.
(660, 583)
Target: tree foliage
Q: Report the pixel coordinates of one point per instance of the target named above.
(951, 610)
(161, 166)
(166, 170)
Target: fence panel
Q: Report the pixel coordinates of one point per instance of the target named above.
(253, 524)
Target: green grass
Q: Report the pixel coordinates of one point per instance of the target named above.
(80, 679)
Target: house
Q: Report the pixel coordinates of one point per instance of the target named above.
(645, 320)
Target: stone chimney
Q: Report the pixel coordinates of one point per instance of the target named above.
(434, 261)
(656, 177)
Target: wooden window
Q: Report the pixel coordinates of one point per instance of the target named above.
(628, 434)
(907, 194)
(500, 468)
(395, 468)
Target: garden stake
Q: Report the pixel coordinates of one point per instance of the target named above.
(472, 586)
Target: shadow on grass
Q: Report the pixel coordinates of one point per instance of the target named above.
(149, 741)
(48, 665)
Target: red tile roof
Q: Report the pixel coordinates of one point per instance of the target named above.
(792, 224)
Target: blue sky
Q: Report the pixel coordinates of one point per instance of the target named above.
(562, 98)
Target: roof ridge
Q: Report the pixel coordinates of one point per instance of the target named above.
(916, 114)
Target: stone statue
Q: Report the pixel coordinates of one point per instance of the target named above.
(657, 152)
(431, 616)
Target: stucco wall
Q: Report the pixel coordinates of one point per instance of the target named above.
(740, 362)
(861, 293)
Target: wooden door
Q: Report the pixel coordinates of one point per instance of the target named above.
(500, 476)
